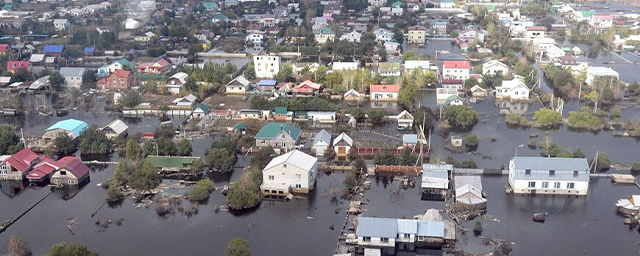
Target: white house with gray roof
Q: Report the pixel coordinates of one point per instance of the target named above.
(72, 76)
(542, 175)
(293, 172)
(321, 142)
(392, 235)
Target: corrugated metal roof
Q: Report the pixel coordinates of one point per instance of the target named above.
(271, 130)
(540, 168)
(322, 136)
(431, 228)
(296, 158)
(435, 179)
(377, 227)
(345, 137)
(65, 71)
(407, 226)
(53, 48)
(410, 138)
(117, 126)
(473, 180)
(73, 125)
(436, 167)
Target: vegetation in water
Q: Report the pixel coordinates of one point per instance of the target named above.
(237, 247)
(200, 192)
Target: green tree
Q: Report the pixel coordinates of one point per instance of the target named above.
(190, 84)
(386, 158)
(285, 74)
(603, 162)
(197, 166)
(200, 192)
(89, 80)
(166, 147)
(94, 141)
(63, 144)
(71, 249)
(148, 147)
(239, 199)
(237, 247)
(357, 113)
(18, 247)
(350, 180)
(9, 140)
(547, 117)
(406, 158)
(250, 71)
(56, 81)
(471, 142)
(130, 98)
(470, 82)
(578, 153)
(376, 117)
(184, 147)
(121, 173)
(145, 178)
(263, 157)
(114, 194)
(221, 159)
(133, 150)
(461, 117)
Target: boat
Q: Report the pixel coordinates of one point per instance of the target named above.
(401, 128)
(5, 225)
(540, 216)
(62, 112)
(629, 206)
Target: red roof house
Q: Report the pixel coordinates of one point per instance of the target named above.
(307, 87)
(43, 170)
(4, 48)
(457, 64)
(17, 166)
(71, 172)
(118, 79)
(14, 65)
(159, 67)
(384, 92)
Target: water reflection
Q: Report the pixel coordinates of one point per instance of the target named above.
(11, 188)
(511, 107)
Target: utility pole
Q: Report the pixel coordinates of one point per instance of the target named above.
(595, 165)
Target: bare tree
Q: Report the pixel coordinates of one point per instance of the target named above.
(18, 247)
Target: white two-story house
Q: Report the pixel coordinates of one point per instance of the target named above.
(494, 67)
(293, 172)
(458, 70)
(542, 175)
(266, 66)
(514, 89)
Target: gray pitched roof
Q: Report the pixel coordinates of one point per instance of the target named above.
(322, 136)
(377, 227)
(540, 166)
(431, 228)
(65, 71)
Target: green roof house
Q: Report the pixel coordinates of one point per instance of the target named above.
(240, 128)
(172, 163)
(201, 111)
(210, 5)
(453, 100)
(398, 4)
(278, 135)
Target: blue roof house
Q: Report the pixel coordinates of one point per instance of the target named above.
(89, 50)
(71, 127)
(53, 49)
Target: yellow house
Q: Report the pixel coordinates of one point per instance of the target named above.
(417, 34)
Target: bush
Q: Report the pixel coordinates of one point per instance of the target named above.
(533, 144)
(584, 120)
(18, 247)
(471, 142)
(350, 180)
(603, 162)
(114, 194)
(547, 117)
(200, 192)
(635, 167)
(461, 117)
(237, 247)
(477, 228)
(515, 119)
(239, 199)
(70, 250)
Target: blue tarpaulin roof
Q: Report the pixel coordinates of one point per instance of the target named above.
(51, 48)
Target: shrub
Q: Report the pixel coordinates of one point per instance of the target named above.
(114, 194)
(200, 192)
(471, 142)
(635, 167)
(239, 199)
(350, 180)
(547, 117)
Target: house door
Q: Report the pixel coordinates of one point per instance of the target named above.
(342, 150)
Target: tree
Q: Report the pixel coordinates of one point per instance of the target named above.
(56, 81)
(285, 74)
(113, 194)
(461, 117)
(121, 173)
(471, 142)
(221, 159)
(63, 144)
(184, 147)
(250, 71)
(190, 84)
(406, 158)
(18, 247)
(603, 162)
(200, 192)
(387, 158)
(237, 247)
(578, 153)
(9, 140)
(89, 80)
(263, 157)
(145, 178)
(133, 150)
(197, 166)
(424, 116)
(71, 249)
(130, 98)
(376, 117)
(240, 198)
(470, 82)
(350, 180)
(547, 117)
(94, 141)
(166, 147)
(357, 113)
(148, 147)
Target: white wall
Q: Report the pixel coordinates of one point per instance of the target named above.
(291, 176)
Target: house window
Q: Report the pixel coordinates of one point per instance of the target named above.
(527, 173)
(298, 176)
(366, 239)
(571, 185)
(298, 186)
(70, 181)
(575, 174)
(556, 185)
(285, 166)
(63, 172)
(271, 177)
(552, 173)
(407, 236)
(545, 184)
(532, 184)
(384, 240)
